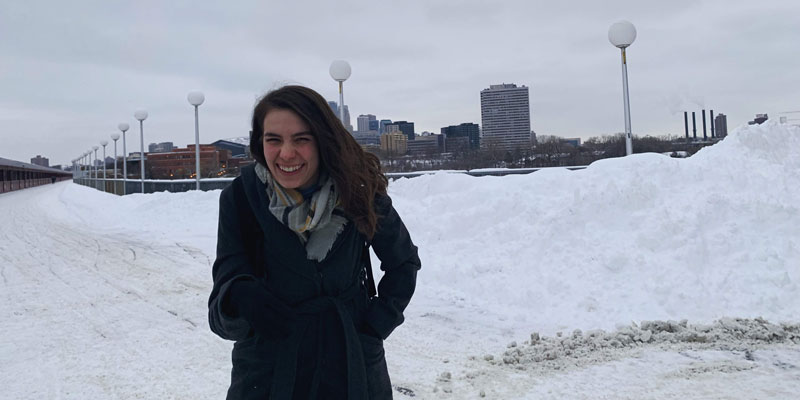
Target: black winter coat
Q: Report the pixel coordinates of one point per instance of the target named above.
(328, 354)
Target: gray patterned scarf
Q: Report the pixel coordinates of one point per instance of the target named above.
(316, 221)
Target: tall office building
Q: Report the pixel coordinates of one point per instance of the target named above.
(40, 161)
(506, 117)
(468, 131)
(335, 107)
(364, 121)
(346, 121)
(721, 125)
(403, 126)
(382, 125)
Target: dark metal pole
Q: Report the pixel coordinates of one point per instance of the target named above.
(694, 126)
(686, 123)
(705, 137)
(711, 116)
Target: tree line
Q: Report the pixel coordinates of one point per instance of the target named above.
(548, 151)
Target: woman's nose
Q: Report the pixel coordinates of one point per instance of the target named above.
(287, 151)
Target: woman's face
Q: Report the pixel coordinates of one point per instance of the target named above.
(290, 150)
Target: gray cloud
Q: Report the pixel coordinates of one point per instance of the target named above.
(71, 71)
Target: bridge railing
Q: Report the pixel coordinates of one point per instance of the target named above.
(117, 186)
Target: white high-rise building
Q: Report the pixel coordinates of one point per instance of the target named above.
(363, 122)
(505, 117)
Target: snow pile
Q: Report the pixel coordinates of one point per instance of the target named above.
(629, 239)
(636, 238)
(578, 348)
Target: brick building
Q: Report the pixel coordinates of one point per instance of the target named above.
(180, 162)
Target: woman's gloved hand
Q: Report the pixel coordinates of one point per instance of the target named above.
(267, 315)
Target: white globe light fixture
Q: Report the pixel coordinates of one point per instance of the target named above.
(196, 99)
(340, 72)
(622, 34)
(124, 128)
(141, 115)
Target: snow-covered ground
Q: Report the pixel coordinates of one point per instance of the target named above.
(104, 297)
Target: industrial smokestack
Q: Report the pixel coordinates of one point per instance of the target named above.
(711, 115)
(705, 137)
(694, 127)
(686, 123)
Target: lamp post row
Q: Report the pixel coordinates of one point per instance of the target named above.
(195, 99)
(621, 34)
(339, 70)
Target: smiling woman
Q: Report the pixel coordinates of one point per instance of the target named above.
(292, 282)
(290, 150)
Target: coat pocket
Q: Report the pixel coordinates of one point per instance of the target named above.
(378, 384)
(253, 366)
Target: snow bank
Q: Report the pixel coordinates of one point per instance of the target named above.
(636, 238)
(629, 239)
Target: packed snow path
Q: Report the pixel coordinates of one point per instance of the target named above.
(99, 315)
(105, 296)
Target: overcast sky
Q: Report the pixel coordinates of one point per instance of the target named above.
(71, 71)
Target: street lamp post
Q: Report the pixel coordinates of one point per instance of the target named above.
(104, 143)
(196, 99)
(141, 115)
(124, 128)
(96, 172)
(340, 71)
(622, 34)
(115, 137)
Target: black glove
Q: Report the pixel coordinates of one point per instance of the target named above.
(267, 315)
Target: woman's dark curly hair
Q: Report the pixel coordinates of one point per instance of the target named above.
(356, 173)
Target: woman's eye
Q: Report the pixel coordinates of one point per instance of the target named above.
(272, 140)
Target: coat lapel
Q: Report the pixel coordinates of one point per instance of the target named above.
(277, 236)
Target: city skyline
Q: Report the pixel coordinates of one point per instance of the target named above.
(72, 73)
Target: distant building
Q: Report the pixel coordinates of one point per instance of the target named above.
(364, 121)
(180, 162)
(395, 143)
(506, 117)
(454, 135)
(428, 144)
(346, 120)
(367, 138)
(759, 119)
(160, 147)
(382, 125)
(402, 126)
(574, 142)
(238, 148)
(40, 161)
(335, 107)
(721, 125)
